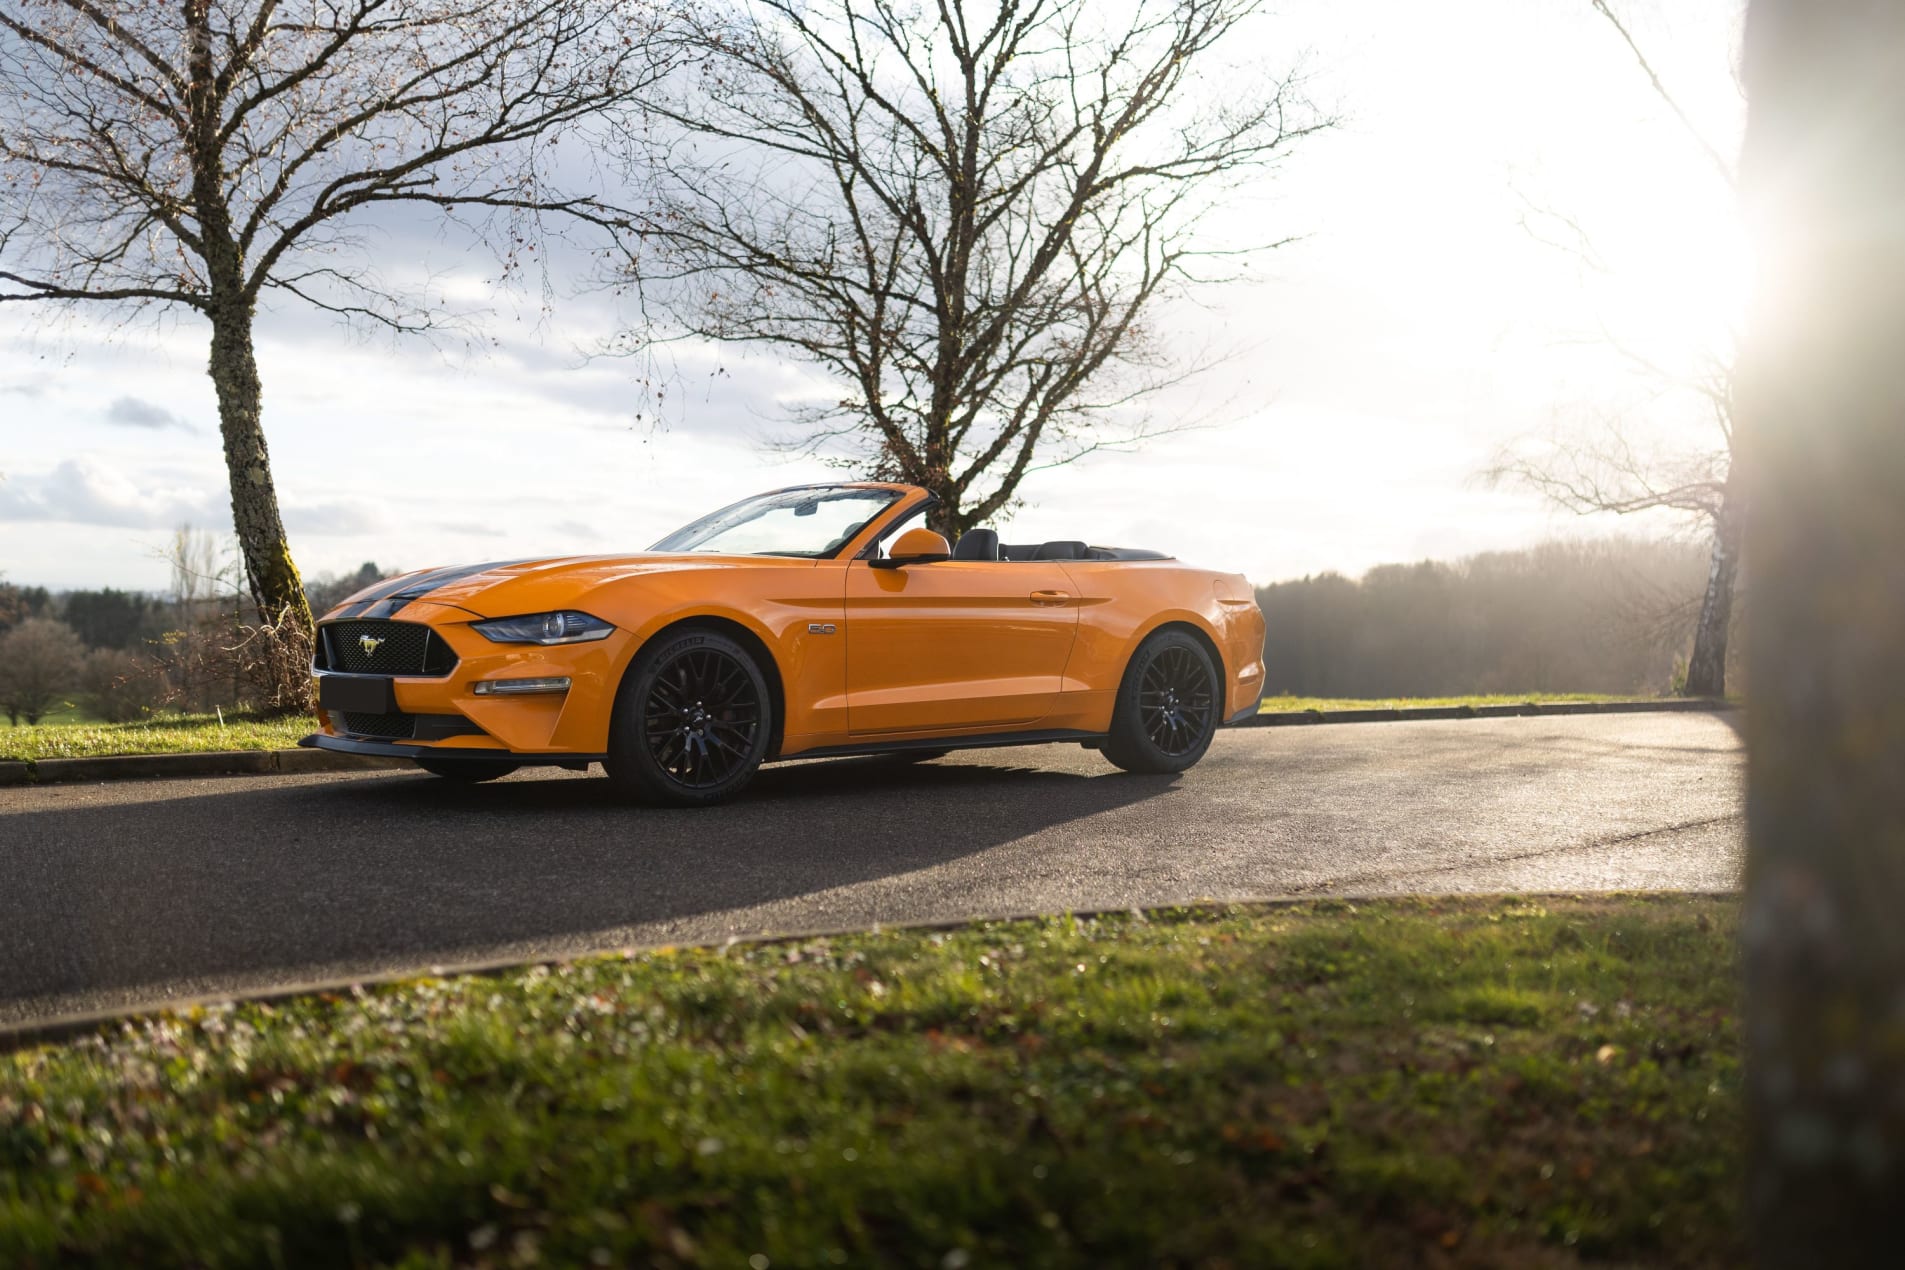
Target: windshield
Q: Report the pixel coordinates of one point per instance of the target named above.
(813, 523)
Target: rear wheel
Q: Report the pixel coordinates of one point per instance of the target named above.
(1167, 706)
(466, 771)
(692, 722)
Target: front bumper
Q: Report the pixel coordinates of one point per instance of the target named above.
(571, 726)
(410, 749)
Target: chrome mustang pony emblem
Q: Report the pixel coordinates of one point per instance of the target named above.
(369, 643)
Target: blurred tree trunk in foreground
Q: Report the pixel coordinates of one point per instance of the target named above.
(1823, 425)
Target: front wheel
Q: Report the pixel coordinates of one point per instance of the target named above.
(1167, 706)
(692, 721)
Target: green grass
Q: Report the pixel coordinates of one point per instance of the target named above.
(1271, 704)
(1500, 1082)
(164, 734)
(66, 712)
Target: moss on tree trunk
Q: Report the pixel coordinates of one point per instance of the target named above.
(275, 585)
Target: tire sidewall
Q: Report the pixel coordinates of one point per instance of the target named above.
(1128, 745)
(633, 767)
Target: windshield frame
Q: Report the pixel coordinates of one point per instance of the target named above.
(895, 496)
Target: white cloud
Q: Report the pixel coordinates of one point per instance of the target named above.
(85, 491)
(135, 412)
(338, 519)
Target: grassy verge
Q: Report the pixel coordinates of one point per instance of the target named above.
(1271, 704)
(1499, 1082)
(166, 734)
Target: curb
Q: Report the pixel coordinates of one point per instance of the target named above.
(298, 762)
(1416, 714)
(52, 1031)
(47, 771)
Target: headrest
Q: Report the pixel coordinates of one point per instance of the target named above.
(977, 544)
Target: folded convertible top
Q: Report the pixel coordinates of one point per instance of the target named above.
(1066, 550)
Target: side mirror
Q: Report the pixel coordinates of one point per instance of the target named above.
(915, 546)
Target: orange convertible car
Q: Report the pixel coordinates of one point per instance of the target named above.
(813, 621)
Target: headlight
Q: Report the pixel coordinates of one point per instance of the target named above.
(545, 628)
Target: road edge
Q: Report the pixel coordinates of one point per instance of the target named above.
(298, 762)
(1405, 714)
(49, 771)
(52, 1031)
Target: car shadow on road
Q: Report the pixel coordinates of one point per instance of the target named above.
(284, 881)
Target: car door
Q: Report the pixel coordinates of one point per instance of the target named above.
(955, 644)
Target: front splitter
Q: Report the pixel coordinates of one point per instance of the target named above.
(389, 749)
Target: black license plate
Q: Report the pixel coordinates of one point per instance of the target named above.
(358, 694)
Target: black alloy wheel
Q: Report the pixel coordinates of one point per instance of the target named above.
(1168, 705)
(693, 721)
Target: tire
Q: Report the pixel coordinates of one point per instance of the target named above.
(466, 771)
(1168, 706)
(692, 722)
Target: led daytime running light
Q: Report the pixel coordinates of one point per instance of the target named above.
(519, 687)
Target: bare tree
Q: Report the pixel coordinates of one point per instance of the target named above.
(962, 213)
(1610, 471)
(207, 155)
(201, 572)
(1823, 431)
(39, 661)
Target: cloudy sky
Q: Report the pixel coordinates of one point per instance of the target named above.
(1379, 363)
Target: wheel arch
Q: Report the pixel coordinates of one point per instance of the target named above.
(742, 634)
(1192, 627)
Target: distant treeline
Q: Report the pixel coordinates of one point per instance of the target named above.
(129, 620)
(1607, 616)
(123, 655)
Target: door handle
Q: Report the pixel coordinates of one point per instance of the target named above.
(1051, 597)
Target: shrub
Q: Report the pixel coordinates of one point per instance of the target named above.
(117, 686)
(39, 664)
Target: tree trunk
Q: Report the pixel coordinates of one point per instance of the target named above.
(230, 303)
(1824, 452)
(1706, 668)
(275, 585)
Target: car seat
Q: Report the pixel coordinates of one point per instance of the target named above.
(977, 544)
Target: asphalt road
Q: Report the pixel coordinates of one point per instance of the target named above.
(124, 894)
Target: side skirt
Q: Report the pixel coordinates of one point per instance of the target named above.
(987, 741)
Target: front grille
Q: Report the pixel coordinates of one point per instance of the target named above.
(374, 646)
(387, 726)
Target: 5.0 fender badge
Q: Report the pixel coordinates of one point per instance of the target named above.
(820, 628)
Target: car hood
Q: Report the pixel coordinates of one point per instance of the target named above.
(504, 588)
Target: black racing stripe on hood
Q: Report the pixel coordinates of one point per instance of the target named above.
(378, 591)
(402, 591)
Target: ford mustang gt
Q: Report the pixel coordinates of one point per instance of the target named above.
(814, 621)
